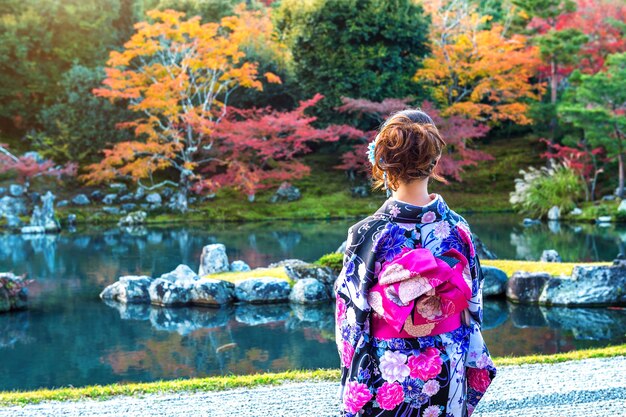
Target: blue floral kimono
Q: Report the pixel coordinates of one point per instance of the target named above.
(444, 374)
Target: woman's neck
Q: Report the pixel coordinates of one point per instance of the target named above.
(415, 193)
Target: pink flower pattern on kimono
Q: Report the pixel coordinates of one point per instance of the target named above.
(393, 366)
(347, 353)
(389, 395)
(426, 365)
(357, 395)
(478, 379)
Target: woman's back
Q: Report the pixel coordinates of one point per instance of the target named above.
(409, 312)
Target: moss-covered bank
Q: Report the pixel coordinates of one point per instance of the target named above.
(221, 383)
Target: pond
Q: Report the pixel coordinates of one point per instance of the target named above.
(70, 337)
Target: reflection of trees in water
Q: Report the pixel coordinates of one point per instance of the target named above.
(573, 242)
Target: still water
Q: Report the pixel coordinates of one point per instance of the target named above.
(70, 337)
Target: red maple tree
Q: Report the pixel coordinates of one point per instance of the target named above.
(457, 131)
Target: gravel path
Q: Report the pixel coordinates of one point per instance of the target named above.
(589, 388)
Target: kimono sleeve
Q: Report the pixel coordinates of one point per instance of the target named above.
(353, 312)
(476, 276)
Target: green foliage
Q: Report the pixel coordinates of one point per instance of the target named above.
(79, 125)
(332, 260)
(368, 49)
(561, 46)
(40, 40)
(596, 105)
(540, 189)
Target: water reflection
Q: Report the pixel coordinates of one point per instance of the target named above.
(70, 337)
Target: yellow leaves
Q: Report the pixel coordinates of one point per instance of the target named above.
(478, 72)
(272, 78)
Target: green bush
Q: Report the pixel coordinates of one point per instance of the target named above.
(356, 48)
(540, 189)
(332, 260)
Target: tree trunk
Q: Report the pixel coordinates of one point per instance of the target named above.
(181, 202)
(620, 187)
(553, 87)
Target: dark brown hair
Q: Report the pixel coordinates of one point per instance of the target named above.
(408, 147)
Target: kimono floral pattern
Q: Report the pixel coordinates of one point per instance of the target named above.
(436, 375)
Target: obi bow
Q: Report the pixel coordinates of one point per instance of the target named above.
(418, 293)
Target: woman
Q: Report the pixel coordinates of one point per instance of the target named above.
(409, 296)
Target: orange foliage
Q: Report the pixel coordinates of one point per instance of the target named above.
(177, 74)
(476, 72)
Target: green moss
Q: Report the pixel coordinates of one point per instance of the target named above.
(222, 383)
(552, 268)
(332, 260)
(326, 192)
(255, 273)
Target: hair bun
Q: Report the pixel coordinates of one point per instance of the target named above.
(407, 148)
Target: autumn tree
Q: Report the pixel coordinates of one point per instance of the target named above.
(30, 166)
(478, 72)
(258, 148)
(597, 105)
(457, 131)
(178, 75)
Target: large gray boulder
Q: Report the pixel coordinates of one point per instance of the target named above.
(164, 292)
(211, 292)
(495, 281)
(262, 290)
(182, 273)
(588, 286)
(308, 291)
(128, 289)
(525, 287)
(213, 259)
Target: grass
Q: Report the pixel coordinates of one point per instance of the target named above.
(334, 260)
(326, 192)
(255, 273)
(221, 383)
(552, 268)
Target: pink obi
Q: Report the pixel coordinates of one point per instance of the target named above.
(418, 294)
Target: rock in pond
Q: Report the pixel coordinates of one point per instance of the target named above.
(588, 286)
(213, 259)
(495, 281)
(13, 292)
(128, 289)
(308, 291)
(239, 266)
(133, 219)
(211, 292)
(302, 270)
(109, 199)
(262, 290)
(525, 287)
(550, 255)
(81, 200)
(554, 213)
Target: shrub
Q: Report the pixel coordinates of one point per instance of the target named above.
(332, 260)
(540, 189)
